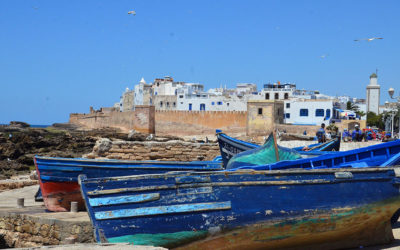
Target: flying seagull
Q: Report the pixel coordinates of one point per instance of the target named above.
(368, 39)
(132, 12)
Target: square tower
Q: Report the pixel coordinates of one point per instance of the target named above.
(373, 94)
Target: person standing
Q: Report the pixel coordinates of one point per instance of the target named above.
(357, 134)
(321, 134)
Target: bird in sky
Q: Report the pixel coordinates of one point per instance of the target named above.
(368, 39)
(132, 12)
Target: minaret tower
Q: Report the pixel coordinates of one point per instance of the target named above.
(373, 94)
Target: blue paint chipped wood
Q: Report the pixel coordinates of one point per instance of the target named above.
(123, 199)
(343, 175)
(191, 179)
(197, 190)
(171, 209)
(56, 175)
(268, 209)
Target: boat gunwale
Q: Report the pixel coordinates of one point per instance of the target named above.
(234, 184)
(123, 162)
(293, 171)
(142, 166)
(242, 144)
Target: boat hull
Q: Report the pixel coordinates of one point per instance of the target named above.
(354, 228)
(327, 208)
(58, 177)
(383, 154)
(57, 196)
(230, 147)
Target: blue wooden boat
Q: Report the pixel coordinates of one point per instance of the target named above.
(296, 208)
(229, 147)
(375, 155)
(58, 177)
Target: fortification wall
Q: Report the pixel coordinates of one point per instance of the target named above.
(141, 119)
(181, 123)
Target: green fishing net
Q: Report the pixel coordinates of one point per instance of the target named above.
(262, 155)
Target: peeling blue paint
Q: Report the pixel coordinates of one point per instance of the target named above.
(95, 202)
(172, 209)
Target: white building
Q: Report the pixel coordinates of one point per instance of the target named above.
(373, 94)
(209, 102)
(277, 91)
(245, 89)
(166, 86)
(362, 107)
(307, 112)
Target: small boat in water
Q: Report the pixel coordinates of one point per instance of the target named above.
(295, 208)
(58, 177)
(229, 147)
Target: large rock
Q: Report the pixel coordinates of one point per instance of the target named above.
(19, 124)
(102, 146)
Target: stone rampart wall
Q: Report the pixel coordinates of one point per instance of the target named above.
(17, 230)
(181, 123)
(165, 151)
(141, 119)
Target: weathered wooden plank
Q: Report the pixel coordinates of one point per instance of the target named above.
(199, 190)
(135, 189)
(343, 175)
(58, 178)
(192, 179)
(237, 172)
(59, 168)
(171, 209)
(95, 202)
(225, 184)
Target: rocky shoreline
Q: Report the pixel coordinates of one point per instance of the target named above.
(19, 143)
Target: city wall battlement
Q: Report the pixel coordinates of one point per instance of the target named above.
(141, 119)
(199, 122)
(146, 119)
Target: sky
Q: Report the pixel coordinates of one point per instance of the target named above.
(61, 57)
